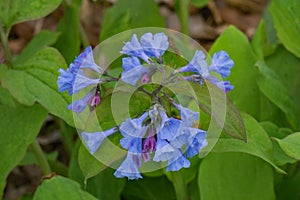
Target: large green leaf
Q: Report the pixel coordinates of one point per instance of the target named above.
(243, 74)
(286, 66)
(68, 42)
(291, 145)
(61, 188)
(235, 176)
(149, 188)
(258, 143)
(270, 85)
(17, 131)
(288, 188)
(16, 11)
(128, 14)
(286, 19)
(35, 81)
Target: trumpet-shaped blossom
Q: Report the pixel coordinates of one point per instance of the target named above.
(154, 45)
(134, 127)
(195, 142)
(188, 116)
(165, 151)
(73, 79)
(129, 168)
(149, 145)
(134, 48)
(178, 163)
(221, 63)
(94, 140)
(198, 64)
(79, 105)
(170, 127)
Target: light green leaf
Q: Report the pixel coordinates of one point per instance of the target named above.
(127, 14)
(68, 42)
(235, 176)
(42, 39)
(16, 11)
(258, 143)
(17, 131)
(291, 145)
(6, 98)
(286, 19)
(35, 81)
(243, 74)
(61, 188)
(286, 66)
(270, 85)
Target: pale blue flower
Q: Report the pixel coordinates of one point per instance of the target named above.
(198, 64)
(154, 45)
(169, 128)
(132, 144)
(94, 140)
(178, 163)
(221, 63)
(82, 81)
(188, 116)
(165, 151)
(195, 142)
(79, 105)
(134, 127)
(129, 168)
(134, 48)
(133, 75)
(129, 63)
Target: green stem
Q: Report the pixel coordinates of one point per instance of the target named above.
(67, 134)
(41, 158)
(182, 7)
(179, 186)
(4, 41)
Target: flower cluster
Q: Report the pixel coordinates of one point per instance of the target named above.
(155, 134)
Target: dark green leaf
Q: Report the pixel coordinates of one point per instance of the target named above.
(16, 11)
(288, 188)
(235, 176)
(17, 131)
(68, 42)
(270, 85)
(286, 19)
(127, 14)
(35, 81)
(199, 3)
(6, 98)
(61, 188)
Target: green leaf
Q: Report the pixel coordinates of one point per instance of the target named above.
(149, 188)
(68, 42)
(235, 176)
(42, 39)
(288, 188)
(286, 19)
(270, 85)
(61, 188)
(182, 9)
(280, 157)
(199, 3)
(286, 66)
(258, 143)
(122, 17)
(291, 145)
(16, 11)
(35, 81)
(6, 98)
(17, 131)
(243, 74)
(105, 185)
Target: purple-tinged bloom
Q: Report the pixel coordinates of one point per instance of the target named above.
(177, 164)
(188, 116)
(145, 79)
(154, 45)
(165, 151)
(129, 168)
(134, 48)
(81, 81)
(170, 127)
(79, 105)
(223, 85)
(94, 140)
(196, 141)
(134, 127)
(149, 145)
(95, 100)
(197, 64)
(67, 78)
(221, 63)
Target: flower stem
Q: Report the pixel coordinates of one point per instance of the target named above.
(41, 158)
(179, 186)
(4, 41)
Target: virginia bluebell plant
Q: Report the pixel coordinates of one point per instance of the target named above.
(154, 134)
